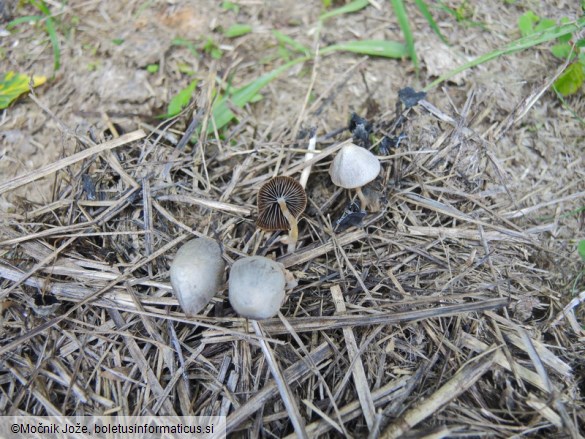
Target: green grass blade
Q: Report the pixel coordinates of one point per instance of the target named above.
(581, 249)
(400, 11)
(292, 43)
(237, 30)
(354, 6)
(422, 6)
(461, 13)
(384, 48)
(515, 46)
(50, 28)
(20, 20)
(221, 113)
(177, 41)
(181, 100)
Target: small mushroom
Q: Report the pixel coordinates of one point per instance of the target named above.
(256, 287)
(281, 200)
(197, 274)
(354, 167)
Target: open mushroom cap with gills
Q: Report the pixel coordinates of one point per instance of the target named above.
(281, 200)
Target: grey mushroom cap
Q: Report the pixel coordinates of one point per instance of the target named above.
(197, 274)
(256, 287)
(354, 167)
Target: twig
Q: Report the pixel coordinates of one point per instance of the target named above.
(359, 374)
(466, 377)
(295, 373)
(285, 393)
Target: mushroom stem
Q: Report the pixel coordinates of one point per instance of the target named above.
(292, 221)
(363, 199)
(308, 156)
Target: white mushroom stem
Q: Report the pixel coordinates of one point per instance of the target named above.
(363, 199)
(308, 156)
(292, 221)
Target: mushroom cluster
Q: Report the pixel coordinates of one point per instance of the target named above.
(257, 284)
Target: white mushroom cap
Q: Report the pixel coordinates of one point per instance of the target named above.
(197, 274)
(256, 287)
(354, 167)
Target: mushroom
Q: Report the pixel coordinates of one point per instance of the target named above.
(256, 287)
(197, 274)
(354, 167)
(281, 200)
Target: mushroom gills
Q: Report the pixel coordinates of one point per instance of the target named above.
(281, 200)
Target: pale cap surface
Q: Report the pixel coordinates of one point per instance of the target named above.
(354, 167)
(256, 287)
(197, 274)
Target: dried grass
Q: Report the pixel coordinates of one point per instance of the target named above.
(436, 317)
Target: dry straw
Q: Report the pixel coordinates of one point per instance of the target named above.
(439, 310)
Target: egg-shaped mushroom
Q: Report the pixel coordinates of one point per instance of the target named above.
(256, 287)
(281, 200)
(197, 274)
(354, 167)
